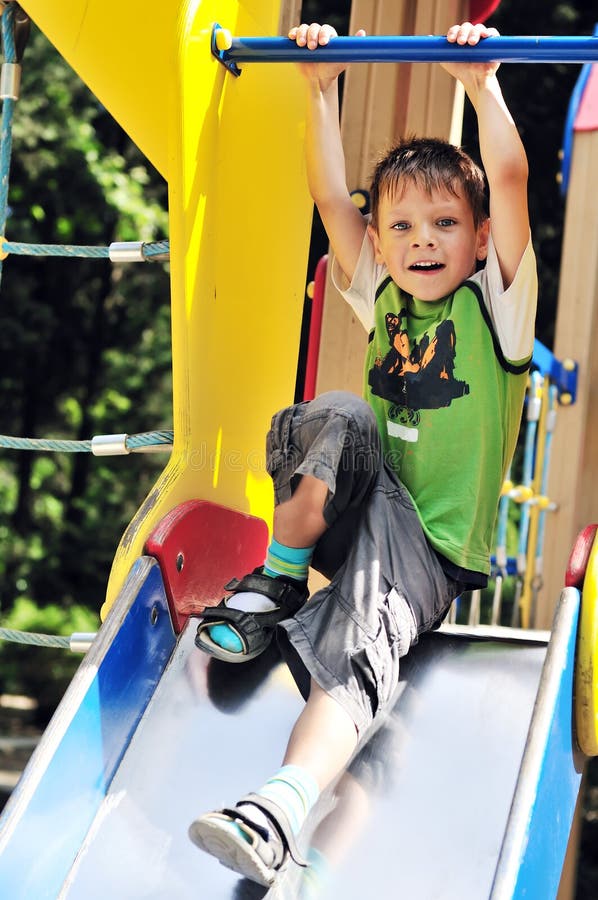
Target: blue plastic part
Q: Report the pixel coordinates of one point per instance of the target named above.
(524, 49)
(502, 523)
(567, 149)
(552, 404)
(576, 96)
(70, 780)
(511, 568)
(563, 377)
(556, 787)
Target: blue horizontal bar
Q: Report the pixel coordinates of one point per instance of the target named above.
(416, 49)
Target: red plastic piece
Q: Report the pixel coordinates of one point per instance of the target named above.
(315, 330)
(200, 546)
(587, 112)
(578, 560)
(480, 10)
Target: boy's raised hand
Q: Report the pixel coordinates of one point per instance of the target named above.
(471, 35)
(314, 36)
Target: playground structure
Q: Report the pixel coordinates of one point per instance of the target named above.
(179, 550)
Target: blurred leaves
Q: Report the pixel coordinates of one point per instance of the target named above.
(42, 672)
(84, 344)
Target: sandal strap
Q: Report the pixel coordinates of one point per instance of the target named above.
(277, 589)
(254, 629)
(249, 623)
(280, 822)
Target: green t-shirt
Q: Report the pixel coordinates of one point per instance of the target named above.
(448, 405)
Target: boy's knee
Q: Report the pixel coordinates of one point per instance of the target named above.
(351, 408)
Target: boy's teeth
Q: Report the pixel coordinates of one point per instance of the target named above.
(426, 265)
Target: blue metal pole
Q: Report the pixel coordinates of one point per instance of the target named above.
(414, 49)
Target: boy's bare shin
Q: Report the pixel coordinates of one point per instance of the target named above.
(299, 522)
(323, 739)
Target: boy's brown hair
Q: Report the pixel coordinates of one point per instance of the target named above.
(433, 164)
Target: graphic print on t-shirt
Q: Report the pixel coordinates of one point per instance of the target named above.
(418, 376)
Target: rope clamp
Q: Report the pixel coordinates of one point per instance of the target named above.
(10, 81)
(126, 251)
(110, 445)
(81, 641)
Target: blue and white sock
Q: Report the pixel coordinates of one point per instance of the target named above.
(294, 790)
(281, 562)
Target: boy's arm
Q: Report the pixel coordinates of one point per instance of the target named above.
(502, 152)
(325, 158)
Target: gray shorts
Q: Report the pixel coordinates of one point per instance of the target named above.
(387, 585)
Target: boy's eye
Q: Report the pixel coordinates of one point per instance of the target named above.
(400, 226)
(445, 223)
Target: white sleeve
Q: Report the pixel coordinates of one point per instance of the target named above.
(361, 292)
(512, 312)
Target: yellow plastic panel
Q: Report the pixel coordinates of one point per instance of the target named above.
(586, 674)
(239, 216)
(126, 54)
(239, 228)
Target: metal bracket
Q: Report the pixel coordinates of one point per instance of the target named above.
(220, 44)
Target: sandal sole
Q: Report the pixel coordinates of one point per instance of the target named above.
(231, 850)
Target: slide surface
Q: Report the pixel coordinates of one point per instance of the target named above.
(105, 803)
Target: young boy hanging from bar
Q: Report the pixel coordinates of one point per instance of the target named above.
(393, 497)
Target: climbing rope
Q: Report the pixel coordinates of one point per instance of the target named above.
(124, 251)
(78, 642)
(101, 445)
(9, 92)
(15, 30)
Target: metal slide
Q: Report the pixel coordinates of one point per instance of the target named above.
(151, 733)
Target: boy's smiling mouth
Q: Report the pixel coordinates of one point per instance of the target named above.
(426, 266)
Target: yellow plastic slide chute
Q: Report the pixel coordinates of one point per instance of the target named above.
(232, 152)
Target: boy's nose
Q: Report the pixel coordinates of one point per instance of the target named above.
(422, 237)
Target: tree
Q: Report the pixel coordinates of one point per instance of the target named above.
(84, 344)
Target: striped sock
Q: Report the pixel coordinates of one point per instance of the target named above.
(290, 562)
(294, 790)
(281, 561)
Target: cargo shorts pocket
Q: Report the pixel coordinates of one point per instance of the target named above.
(282, 455)
(396, 634)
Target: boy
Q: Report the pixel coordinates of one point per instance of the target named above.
(395, 498)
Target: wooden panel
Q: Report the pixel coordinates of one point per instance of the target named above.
(431, 98)
(573, 481)
(290, 14)
(368, 125)
(382, 102)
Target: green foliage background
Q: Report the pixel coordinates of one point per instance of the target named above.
(84, 345)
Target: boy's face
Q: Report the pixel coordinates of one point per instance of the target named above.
(428, 242)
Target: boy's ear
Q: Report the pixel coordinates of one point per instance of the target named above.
(483, 238)
(373, 233)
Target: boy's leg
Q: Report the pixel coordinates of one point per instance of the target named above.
(324, 460)
(323, 738)
(256, 837)
(309, 446)
(298, 524)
